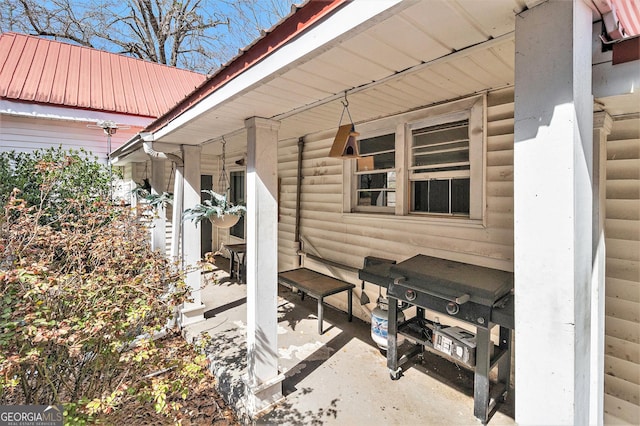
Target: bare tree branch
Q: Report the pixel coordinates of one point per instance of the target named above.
(193, 34)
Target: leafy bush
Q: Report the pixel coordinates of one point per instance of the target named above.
(77, 175)
(77, 290)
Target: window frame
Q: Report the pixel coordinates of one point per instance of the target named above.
(472, 108)
(355, 177)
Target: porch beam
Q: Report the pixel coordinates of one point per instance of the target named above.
(191, 237)
(553, 196)
(330, 31)
(264, 383)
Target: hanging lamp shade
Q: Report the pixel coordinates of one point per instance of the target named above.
(345, 144)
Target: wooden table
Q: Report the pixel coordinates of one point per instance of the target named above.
(318, 286)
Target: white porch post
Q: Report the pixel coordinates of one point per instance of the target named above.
(194, 311)
(553, 213)
(264, 383)
(602, 124)
(159, 230)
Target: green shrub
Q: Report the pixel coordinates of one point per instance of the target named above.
(77, 291)
(69, 174)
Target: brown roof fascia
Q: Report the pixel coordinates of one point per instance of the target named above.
(626, 50)
(295, 24)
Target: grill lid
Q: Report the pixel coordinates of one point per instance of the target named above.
(450, 278)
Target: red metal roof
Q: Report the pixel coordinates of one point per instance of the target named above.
(628, 12)
(38, 70)
(621, 17)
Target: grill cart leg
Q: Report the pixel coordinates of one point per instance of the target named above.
(320, 315)
(392, 341)
(481, 378)
(504, 365)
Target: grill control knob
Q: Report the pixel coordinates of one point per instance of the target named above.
(410, 295)
(452, 308)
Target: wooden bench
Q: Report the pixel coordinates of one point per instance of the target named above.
(318, 286)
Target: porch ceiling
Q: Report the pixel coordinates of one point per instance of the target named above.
(424, 52)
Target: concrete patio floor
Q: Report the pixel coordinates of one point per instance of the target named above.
(338, 378)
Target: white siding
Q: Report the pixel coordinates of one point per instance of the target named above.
(348, 238)
(27, 134)
(622, 306)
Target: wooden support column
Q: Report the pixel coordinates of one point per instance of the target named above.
(553, 195)
(602, 124)
(158, 184)
(264, 383)
(191, 237)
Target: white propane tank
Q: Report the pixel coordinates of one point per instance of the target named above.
(380, 323)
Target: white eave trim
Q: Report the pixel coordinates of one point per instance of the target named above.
(340, 22)
(50, 112)
(136, 145)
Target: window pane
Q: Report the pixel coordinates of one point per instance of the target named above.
(439, 196)
(433, 196)
(441, 157)
(377, 198)
(421, 196)
(377, 144)
(438, 134)
(377, 153)
(391, 179)
(377, 180)
(441, 148)
(375, 172)
(460, 196)
(453, 146)
(384, 161)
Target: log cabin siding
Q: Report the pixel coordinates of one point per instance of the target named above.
(622, 303)
(348, 237)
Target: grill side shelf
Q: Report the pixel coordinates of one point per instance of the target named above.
(421, 332)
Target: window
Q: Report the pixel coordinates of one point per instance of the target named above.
(428, 163)
(376, 174)
(439, 169)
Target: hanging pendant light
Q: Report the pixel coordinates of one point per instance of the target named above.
(345, 144)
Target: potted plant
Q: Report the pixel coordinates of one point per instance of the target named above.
(158, 200)
(218, 209)
(143, 192)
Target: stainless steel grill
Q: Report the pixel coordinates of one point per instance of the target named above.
(478, 296)
(466, 292)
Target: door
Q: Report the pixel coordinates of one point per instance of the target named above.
(206, 227)
(237, 196)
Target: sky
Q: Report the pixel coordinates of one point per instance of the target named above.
(246, 19)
